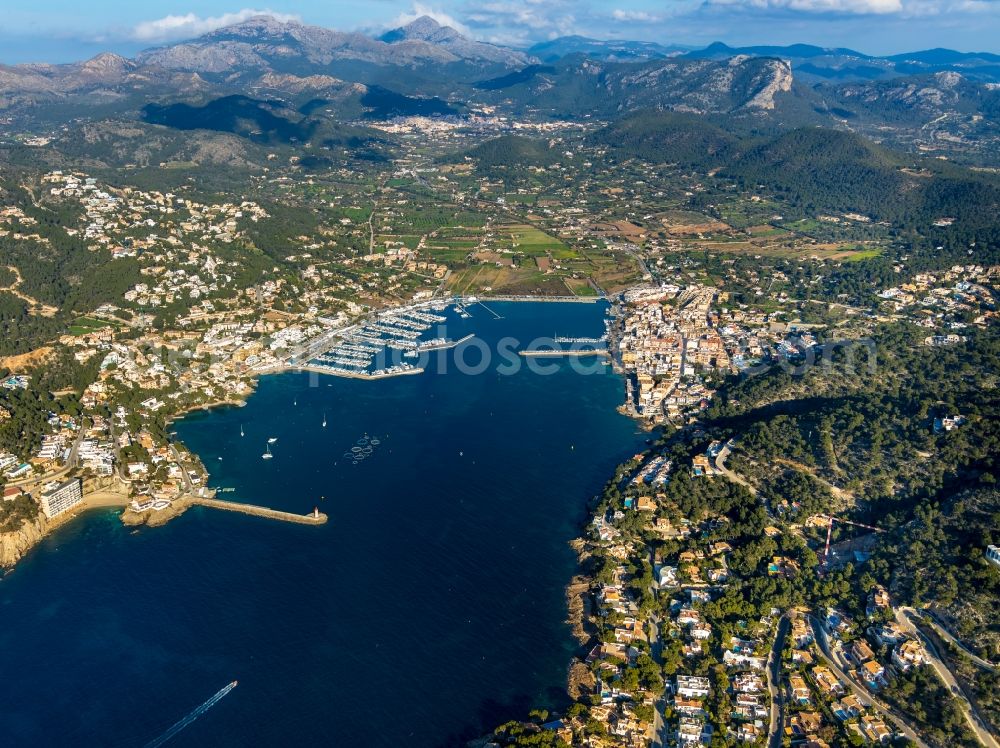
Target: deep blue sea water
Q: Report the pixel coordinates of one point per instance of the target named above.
(428, 610)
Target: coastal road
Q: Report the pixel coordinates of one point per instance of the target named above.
(941, 631)
(774, 684)
(29, 483)
(188, 486)
(904, 617)
(860, 691)
(74, 451)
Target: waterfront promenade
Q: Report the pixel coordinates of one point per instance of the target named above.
(559, 352)
(357, 374)
(530, 298)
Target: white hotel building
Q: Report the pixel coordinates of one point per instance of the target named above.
(60, 497)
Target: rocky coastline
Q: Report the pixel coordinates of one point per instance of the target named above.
(15, 544)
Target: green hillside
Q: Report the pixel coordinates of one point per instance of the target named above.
(669, 137)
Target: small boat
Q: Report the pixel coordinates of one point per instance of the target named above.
(241, 430)
(267, 454)
(272, 440)
(324, 420)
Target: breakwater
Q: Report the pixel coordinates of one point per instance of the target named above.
(557, 353)
(313, 518)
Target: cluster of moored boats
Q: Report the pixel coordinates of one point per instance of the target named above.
(355, 354)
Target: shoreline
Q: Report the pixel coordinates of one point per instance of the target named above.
(564, 353)
(530, 299)
(16, 544)
(579, 610)
(211, 405)
(353, 375)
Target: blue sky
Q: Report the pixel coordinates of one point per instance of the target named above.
(63, 30)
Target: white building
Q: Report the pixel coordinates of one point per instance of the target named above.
(692, 686)
(61, 497)
(993, 554)
(689, 731)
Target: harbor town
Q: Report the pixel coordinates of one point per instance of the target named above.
(670, 650)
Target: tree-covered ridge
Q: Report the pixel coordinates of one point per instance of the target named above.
(669, 137)
(868, 443)
(813, 170)
(513, 152)
(830, 170)
(866, 424)
(272, 122)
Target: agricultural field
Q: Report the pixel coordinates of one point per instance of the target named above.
(528, 240)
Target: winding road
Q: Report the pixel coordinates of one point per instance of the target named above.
(862, 693)
(941, 631)
(905, 618)
(720, 465)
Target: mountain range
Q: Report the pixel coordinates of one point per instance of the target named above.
(428, 68)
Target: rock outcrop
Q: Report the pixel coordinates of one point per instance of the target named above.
(13, 545)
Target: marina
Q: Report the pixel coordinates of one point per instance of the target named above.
(355, 352)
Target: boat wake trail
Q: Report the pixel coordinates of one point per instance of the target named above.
(191, 717)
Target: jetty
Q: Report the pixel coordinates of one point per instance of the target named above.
(337, 371)
(581, 341)
(525, 297)
(442, 344)
(313, 518)
(558, 352)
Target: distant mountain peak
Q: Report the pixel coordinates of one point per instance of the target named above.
(262, 25)
(427, 30)
(106, 60)
(423, 26)
(424, 29)
(718, 47)
(106, 64)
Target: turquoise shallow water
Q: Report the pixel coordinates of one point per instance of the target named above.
(428, 610)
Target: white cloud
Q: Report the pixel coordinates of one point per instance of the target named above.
(516, 21)
(822, 6)
(635, 16)
(189, 25)
(419, 9)
(918, 8)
